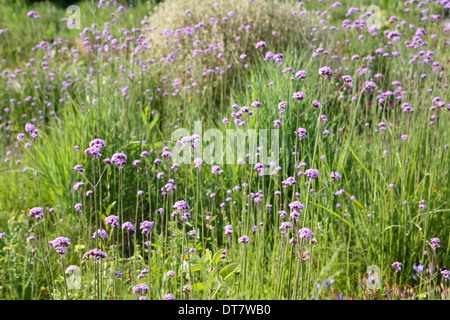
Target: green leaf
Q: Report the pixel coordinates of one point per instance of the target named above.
(229, 270)
(154, 122)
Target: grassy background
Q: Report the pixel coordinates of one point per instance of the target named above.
(348, 240)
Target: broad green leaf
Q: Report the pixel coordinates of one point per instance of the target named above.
(229, 270)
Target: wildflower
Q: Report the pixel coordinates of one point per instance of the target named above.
(312, 173)
(181, 206)
(170, 296)
(301, 133)
(300, 74)
(299, 95)
(146, 226)
(198, 162)
(435, 243)
(347, 79)
(128, 226)
(112, 221)
(170, 273)
(325, 71)
(244, 239)
(100, 232)
(78, 207)
(305, 233)
(261, 45)
(29, 127)
(119, 159)
(140, 288)
(397, 266)
(445, 273)
(216, 169)
(37, 213)
(79, 168)
(59, 244)
(296, 205)
(71, 269)
(95, 253)
(335, 176)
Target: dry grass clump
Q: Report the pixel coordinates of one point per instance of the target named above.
(201, 39)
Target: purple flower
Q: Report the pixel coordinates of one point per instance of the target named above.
(181, 206)
(140, 288)
(244, 239)
(101, 233)
(128, 226)
(119, 159)
(78, 207)
(305, 233)
(170, 273)
(301, 133)
(435, 243)
(325, 71)
(95, 253)
(397, 266)
(336, 176)
(261, 45)
(170, 296)
(60, 244)
(299, 95)
(146, 226)
(347, 79)
(312, 173)
(296, 205)
(301, 74)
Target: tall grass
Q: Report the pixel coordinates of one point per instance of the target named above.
(134, 103)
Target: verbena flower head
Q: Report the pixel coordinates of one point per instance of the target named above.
(261, 45)
(397, 266)
(97, 254)
(244, 239)
(312, 173)
(141, 289)
(60, 245)
(305, 233)
(71, 269)
(296, 205)
(299, 95)
(301, 132)
(146, 226)
(170, 296)
(336, 176)
(119, 159)
(170, 273)
(325, 71)
(300, 74)
(101, 233)
(435, 243)
(128, 226)
(37, 213)
(181, 206)
(112, 221)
